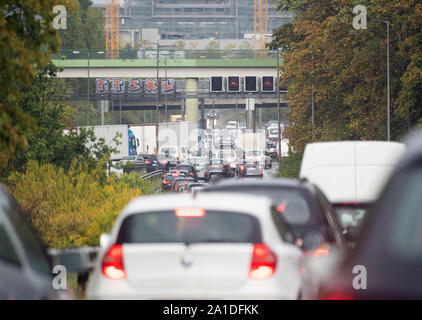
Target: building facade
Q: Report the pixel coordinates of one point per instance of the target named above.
(193, 19)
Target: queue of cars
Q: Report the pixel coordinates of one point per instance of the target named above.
(355, 211)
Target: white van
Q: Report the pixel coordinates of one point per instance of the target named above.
(350, 170)
(351, 174)
(178, 152)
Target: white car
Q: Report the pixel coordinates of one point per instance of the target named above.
(230, 156)
(211, 246)
(259, 155)
(180, 153)
(232, 125)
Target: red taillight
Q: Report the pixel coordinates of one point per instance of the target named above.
(166, 182)
(113, 263)
(205, 173)
(241, 168)
(337, 295)
(189, 212)
(260, 168)
(264, 262)
(321, 252)
(176, 187)
(222, 165)
(147, 162)
(351, 203)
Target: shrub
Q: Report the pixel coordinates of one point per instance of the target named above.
(290, 166)
(73, 208)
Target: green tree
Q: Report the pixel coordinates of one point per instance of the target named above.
(346, 69)
(27, 38)
(85, 29)
(53, 141)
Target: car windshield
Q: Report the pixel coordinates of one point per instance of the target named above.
(213, 226)
(162, 156)
(129, 158)
(273, 131)
(350, 216)
(196, 161)
(290, 203)
(254, 153)
(218, 162)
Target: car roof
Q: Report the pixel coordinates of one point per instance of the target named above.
(276, 182)
(250, 204)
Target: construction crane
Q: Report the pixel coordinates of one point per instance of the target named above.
(112, 29)
(260, 25)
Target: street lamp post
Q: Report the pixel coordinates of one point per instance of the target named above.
(278, 104)
(158, 100)
(87, 93)
(388, 77)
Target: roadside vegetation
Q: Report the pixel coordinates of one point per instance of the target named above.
(290, 167)
(346, 70)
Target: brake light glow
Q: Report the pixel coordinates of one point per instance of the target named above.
(147, 162)
(281, 207)
(112, 266)
(321, 252)
(166, 182)
(189, 212)
(264, 262)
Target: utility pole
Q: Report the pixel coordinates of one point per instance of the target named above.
(158, 100)
(388, 79)
(87, 97)
(278, 104)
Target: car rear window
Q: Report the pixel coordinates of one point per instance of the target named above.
(166, 227)
(291, 204)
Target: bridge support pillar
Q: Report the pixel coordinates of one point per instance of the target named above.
(192, 103)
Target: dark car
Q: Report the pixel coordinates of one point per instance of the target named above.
(181, 184)
(218, 168)
(200, 164)
(168, 181)
(190, 169)
(249, 169)
(307, 210)
(195, 187)
(25, 267)
(386, 262)
(351, 215)
(164, 162)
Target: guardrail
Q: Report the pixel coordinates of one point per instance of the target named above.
(76, 260)
(153, 174)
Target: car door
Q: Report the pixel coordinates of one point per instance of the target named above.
(14, 282)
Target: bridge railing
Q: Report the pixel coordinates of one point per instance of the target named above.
(169, 53)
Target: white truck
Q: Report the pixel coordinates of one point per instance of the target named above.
(129, 143)
(147, 136)
(248, 140)
(181, 134)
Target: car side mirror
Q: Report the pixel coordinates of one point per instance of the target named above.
(105, 239)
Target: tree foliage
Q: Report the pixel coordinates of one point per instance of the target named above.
(27, 38)
(85, 28)
(346, 69)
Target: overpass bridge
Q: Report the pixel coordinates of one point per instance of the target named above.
(191, 70)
